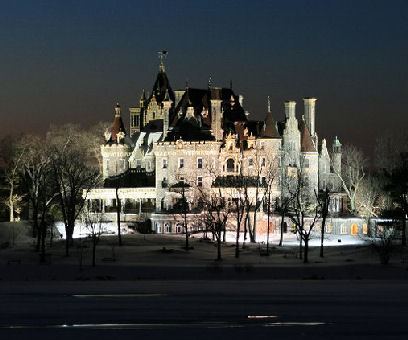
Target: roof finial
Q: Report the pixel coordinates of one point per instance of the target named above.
(162, 57)
(269, 104)
(209, 81)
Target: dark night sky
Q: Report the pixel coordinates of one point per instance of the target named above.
(70, 61)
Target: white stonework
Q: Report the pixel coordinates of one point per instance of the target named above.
(228, 144)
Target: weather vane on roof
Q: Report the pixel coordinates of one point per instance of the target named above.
(162, 57)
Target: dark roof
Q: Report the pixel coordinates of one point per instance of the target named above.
(198, 126)
(161, 85)
(132, 178)
(269, 129)
(306, 143)
(117, 126)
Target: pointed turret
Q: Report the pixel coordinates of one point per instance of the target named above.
(118, 131)
(306, 142)
(269, 129)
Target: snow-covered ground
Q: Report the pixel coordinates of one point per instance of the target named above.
(110, 228)
(81, 230)
(291, 239)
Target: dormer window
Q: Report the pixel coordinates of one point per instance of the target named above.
(199, 163)
(164, 163)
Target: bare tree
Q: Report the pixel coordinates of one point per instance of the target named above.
(74, 172)
(323, 200)
(12, 154)
(303, 207)
(215, 215)
(93, 223)
(352, 173)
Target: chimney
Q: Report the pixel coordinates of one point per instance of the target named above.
(310, 104)
(241, 100)
(290, 109)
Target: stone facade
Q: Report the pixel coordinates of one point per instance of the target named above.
(198, 136)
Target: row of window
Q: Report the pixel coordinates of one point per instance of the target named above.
(199, 181)
(230, 163)
(181, 163)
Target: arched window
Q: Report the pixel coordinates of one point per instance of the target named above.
(230, 165)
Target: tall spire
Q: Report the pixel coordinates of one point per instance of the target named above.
(162, 57)
(269, 104)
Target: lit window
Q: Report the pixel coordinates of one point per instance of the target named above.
(199, 181)
(199, 163)
(344, 229)
(181, 163)
(164, 163)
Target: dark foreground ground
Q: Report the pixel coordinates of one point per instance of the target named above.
(204, 309)
(151, 288)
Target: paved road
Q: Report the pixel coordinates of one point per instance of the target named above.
(204, 309)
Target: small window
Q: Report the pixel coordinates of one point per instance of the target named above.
(230, 165)
(199, 163)
(164, 163)
(181, 163)
(344, 229)
(263, 161)
(138, 163)
(250, 162)
(199, 181)
(365, 229)
(306, 163)
(167, 227)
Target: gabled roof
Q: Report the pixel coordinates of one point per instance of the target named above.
(306, 142)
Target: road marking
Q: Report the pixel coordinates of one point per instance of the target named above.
(280, 324)
(82, 296)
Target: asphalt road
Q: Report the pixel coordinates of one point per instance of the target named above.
(204, 309)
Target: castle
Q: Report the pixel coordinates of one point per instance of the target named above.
(204, 136)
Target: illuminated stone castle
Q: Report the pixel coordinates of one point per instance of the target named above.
(201, 137)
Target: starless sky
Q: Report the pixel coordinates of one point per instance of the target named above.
(71, 61)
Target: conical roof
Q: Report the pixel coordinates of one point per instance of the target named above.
(270, 130)
(306, 142)
(117, 126)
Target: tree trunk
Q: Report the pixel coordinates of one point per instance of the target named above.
(93, 249)
(35, 220)
(38, 245)
(282, 224)
(269, 212)
(300, 246)
(43, 236)
(11, 204)
(219, 248)
(254, 226)
(306, 250)
(237, 233)
(118, 210)
(322, 235)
